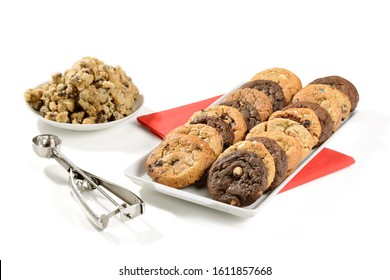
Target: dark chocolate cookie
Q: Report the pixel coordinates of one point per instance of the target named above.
(280, 159)
(239, 178)
(224, 129)
(323, 116)
(342, 85)
(248, 111)
(272, 89)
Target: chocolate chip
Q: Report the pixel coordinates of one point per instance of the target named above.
(306, 123)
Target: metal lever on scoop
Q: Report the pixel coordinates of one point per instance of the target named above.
(48, 145)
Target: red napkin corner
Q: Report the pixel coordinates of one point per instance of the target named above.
(161, 123)
(325, 162)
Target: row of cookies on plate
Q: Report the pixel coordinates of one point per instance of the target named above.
(187, 152)
(309, 117)
(269, 123)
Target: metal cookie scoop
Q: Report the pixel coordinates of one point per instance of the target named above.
(48, 146)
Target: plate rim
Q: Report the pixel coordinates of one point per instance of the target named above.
(138, 104)
(182, 194)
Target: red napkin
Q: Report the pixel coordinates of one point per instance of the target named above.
(161, 123)
(325, 162)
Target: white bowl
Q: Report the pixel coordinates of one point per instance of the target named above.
(90, 127)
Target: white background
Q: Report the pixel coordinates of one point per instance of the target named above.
(177, 52)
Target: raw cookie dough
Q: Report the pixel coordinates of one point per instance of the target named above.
(89, 92)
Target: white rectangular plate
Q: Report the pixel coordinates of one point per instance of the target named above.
(200, 195)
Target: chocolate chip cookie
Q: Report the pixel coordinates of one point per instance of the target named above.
(256, 98)
(259, 149)
(272, 89)
(303, 116)
(207, 133)
(224, 129)
(239, 178)
(249, 112)
(291, 128)
(179, 160)
(342, 85)
(325, 99)
(279, 156)
(324, 117)
(288, 143)
(290, 82)
(229, 115)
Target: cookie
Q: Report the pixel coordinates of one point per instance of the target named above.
(229, 115)
(342, 85)
(179, 160)
(256, 98)
(250, 113)
(289, 82)
(324, 117)
(207, 133)
(272, 89)
(279, 156)
(261, 151)
(288, 143)
(303, 116)
(239, 178)
(291, 128)
(340, 96)
(224, 129)
(325, 99)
